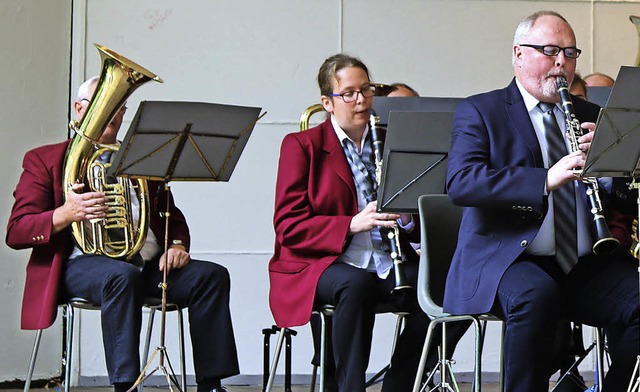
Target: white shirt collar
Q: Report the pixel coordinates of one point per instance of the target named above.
(341, 134)
(530, 102)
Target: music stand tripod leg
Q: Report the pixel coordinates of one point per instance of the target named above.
(161, 349)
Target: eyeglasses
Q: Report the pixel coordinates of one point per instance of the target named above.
(352, 95)
(552, 50)
(123, 108)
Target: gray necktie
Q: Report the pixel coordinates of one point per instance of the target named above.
(364, 181)
(564, 202)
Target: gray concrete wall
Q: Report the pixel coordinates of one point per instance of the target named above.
(254, 53)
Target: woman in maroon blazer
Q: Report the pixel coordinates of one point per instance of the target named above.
(327, 248)
(57, 270)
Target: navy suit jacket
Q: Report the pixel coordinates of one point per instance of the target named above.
(497, 173)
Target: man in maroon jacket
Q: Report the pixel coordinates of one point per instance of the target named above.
(58, 269)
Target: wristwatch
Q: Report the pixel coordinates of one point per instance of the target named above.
(177, 242)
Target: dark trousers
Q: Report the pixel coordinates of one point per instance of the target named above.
(534, 296)
(354, 293)
(120, 288)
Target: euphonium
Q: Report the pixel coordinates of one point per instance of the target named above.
(117, 235)
(306, 115)
(635, 245)
(604, 242)
(392, 235)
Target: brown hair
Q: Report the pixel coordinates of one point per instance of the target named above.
(332, 65)
(398, 86)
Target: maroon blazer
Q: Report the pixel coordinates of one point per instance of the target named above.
(38, 193)
(314, 203)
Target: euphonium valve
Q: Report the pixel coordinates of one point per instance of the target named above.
(123, 232)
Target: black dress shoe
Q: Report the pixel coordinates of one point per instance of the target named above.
(219, 389)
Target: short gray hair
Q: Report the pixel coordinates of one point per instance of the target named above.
(84, 91)
(526, 24)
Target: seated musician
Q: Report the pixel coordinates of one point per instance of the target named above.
(328, 247)
(525, 245)
(58, 269)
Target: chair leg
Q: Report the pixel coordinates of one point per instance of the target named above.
(599, 359)
(32, 361)
(276, 358)
(501, 381)
(147, 343)
(323, 349)
(479, 341)
(314, 374)
(423, 358)
(70, 319)
(183, 368)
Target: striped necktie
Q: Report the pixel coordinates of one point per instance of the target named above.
(564, 202)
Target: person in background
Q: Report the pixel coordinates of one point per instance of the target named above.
(578, 87)
(621, 207)
(510, 169)
(599, 79)
(402, 90)
(58, 269)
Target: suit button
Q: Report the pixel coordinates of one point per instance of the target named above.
(524, 243)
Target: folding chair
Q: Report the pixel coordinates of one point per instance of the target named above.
(68, 314)
(440, 222)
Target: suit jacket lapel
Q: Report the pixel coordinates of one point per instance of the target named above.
(335, 155)
(519, 117)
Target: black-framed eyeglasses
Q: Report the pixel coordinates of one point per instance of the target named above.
(352, 95)
(552, 50)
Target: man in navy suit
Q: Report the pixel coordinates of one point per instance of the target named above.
(506, 261)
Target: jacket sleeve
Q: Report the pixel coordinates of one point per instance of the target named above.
(298, 224)
(178, 228)
(31, 219)
(489, 167)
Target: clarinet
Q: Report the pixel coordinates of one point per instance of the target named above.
(391, 234)
(604, 242)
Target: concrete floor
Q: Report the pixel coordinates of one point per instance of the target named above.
(236, 388)
(464, 387)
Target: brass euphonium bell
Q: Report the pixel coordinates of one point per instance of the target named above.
(122, 233)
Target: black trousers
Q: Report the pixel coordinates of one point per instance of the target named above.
(534, 296)
(354, 293)
(120, 288)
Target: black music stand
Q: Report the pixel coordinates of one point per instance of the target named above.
(189, 141)
(415, 157)
(615, 149)
(598, 94)
(383, 106)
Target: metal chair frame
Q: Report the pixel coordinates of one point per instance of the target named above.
(439, 211)
(326, 313)
(441, 219)
(68, 315)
